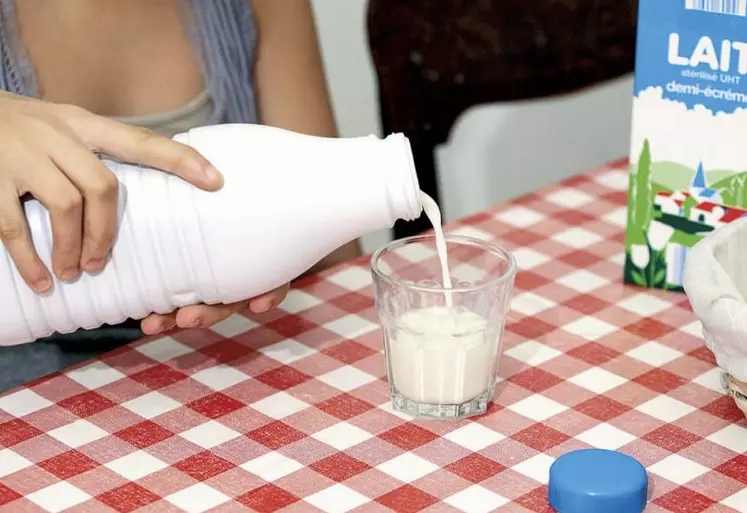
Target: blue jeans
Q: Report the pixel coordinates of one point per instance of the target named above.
(27, 362)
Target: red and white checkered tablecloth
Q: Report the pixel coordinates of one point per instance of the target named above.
(290, 412)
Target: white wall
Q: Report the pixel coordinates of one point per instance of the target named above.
(500, 151)
(495, 152)
(350, 73)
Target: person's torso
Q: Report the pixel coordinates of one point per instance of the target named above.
(168, 65)
(112, 58)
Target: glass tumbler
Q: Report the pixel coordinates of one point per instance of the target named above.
(442, 345)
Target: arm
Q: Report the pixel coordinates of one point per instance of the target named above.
(289, 74)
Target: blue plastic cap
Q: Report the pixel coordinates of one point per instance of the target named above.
(596, 481)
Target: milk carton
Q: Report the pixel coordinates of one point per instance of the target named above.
(688, 162)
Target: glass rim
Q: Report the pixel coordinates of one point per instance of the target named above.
(490, 247)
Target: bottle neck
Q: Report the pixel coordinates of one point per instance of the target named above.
(400, 178)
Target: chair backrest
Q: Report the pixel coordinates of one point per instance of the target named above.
(498, 151)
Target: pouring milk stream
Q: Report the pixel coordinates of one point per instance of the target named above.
(441, 354)
(177, 245)
(288, 200)
(430, 207)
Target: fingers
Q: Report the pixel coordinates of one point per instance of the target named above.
(14, 234)
(141, 146)
(99, 190)
(64, 203)
(269, 300)
(196, 316)
(155, 323)
(204, 316)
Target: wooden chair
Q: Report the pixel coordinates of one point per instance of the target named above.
(436, 58)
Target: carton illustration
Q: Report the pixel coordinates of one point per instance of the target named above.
(688, 162)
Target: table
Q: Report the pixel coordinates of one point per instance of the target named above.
(289, 412)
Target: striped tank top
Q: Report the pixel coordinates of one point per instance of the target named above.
(223, 34)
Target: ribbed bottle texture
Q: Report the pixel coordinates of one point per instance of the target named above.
(152, 267)
(287, 200)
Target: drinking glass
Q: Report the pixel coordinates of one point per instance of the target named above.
(442, 345)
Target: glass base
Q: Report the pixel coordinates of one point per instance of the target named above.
(423, 411)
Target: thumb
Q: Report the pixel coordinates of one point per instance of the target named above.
(144, 147)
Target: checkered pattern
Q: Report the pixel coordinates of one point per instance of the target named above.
(289, 412)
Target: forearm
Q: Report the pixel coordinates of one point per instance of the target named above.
(291, 87)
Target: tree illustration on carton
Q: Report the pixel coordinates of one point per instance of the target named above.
(648, 267)
(641, 204)
(735, 192)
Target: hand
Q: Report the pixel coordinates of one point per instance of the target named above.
(204, 316)
(49, 150)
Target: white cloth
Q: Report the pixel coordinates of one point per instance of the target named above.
(715, 280)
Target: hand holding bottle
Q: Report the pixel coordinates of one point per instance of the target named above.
(203, 316)
(179, 247)
(49, 151)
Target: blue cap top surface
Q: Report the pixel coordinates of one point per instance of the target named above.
(596, 480)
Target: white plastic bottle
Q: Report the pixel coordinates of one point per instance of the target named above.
(287, 201)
